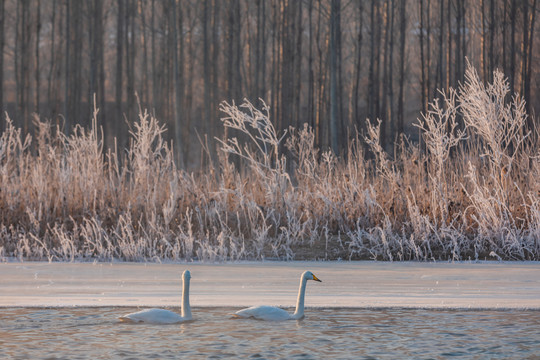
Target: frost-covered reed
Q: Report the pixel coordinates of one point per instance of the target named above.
(472, 192)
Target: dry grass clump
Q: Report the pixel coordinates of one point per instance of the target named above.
(471, 193)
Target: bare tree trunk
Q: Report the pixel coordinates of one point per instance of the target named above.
(441, 65)
(529, 74)
(97, 76)
(177, 88)
(264, 38)
(358, 68)
(145, 86)
(2, 120)
(259, 45)
(403, 29)
(119, 61)
(428, 51)
(449, 47)
(390, 112)
(334, 74)
(321, 128)
(234, 50)
(67, 65)
(422, 59)
(483, 46)
(311, 78)
(457, 60)
(388, 125)
(166, 67)
(298, 66)
(52, 62)
(275, 74)
(56, 70)
(377, 72)
(130, 34)
(93, 35)
(22, 60)
(373, 59)
(385, 120)
(288, 59)
(186, 76)
(209, 67)
(238, 50)
(36, 54)
(491, 56)
(100, 48)
(25, 62)
(463, 39)
(512, 75)
(206, 66)
(524, 47)
(153, 54)
(74, 70)
(215, 94)
(504, 37)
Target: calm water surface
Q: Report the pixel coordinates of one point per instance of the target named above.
(95, 333)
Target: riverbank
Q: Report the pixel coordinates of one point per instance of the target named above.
(364, 284)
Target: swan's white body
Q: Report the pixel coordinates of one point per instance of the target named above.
(272, 313)
(161, 316)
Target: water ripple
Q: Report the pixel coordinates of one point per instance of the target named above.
(84, 333)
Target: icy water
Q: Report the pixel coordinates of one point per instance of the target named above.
(95, 333)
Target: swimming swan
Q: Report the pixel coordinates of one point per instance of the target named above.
(161, 316)
(272, 313)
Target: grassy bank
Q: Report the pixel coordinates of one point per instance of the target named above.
(470, 190)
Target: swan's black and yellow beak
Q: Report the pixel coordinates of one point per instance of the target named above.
(316, 278)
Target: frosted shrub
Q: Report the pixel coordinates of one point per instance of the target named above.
(472, 193)
(151, 164)
(441, 135)
(384, 167)
(499, 127)
(261, 153)
(497, 124)
(256, 125)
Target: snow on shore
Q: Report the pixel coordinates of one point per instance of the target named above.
(486, 285)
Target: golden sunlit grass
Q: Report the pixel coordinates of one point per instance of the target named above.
(471, 191)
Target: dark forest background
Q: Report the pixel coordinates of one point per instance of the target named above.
(328, 63)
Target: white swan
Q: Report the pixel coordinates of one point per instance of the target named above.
(272, 313)
(161, 316)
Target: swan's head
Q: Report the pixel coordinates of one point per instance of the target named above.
(186, 275)
(308, 275)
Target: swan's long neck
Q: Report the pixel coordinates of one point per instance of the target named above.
(186, 309)
(299, 313)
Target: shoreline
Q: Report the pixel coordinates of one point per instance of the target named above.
(358, 285)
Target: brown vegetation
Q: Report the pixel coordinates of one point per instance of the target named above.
(469, 191)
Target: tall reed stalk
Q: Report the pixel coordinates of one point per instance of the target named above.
(472, 193)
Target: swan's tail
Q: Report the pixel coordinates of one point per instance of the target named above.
(126, 319)
(236, 316)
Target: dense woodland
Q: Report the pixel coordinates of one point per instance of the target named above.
(329, 63)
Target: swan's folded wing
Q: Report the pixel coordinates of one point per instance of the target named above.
(269, 313)
(153, 316)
